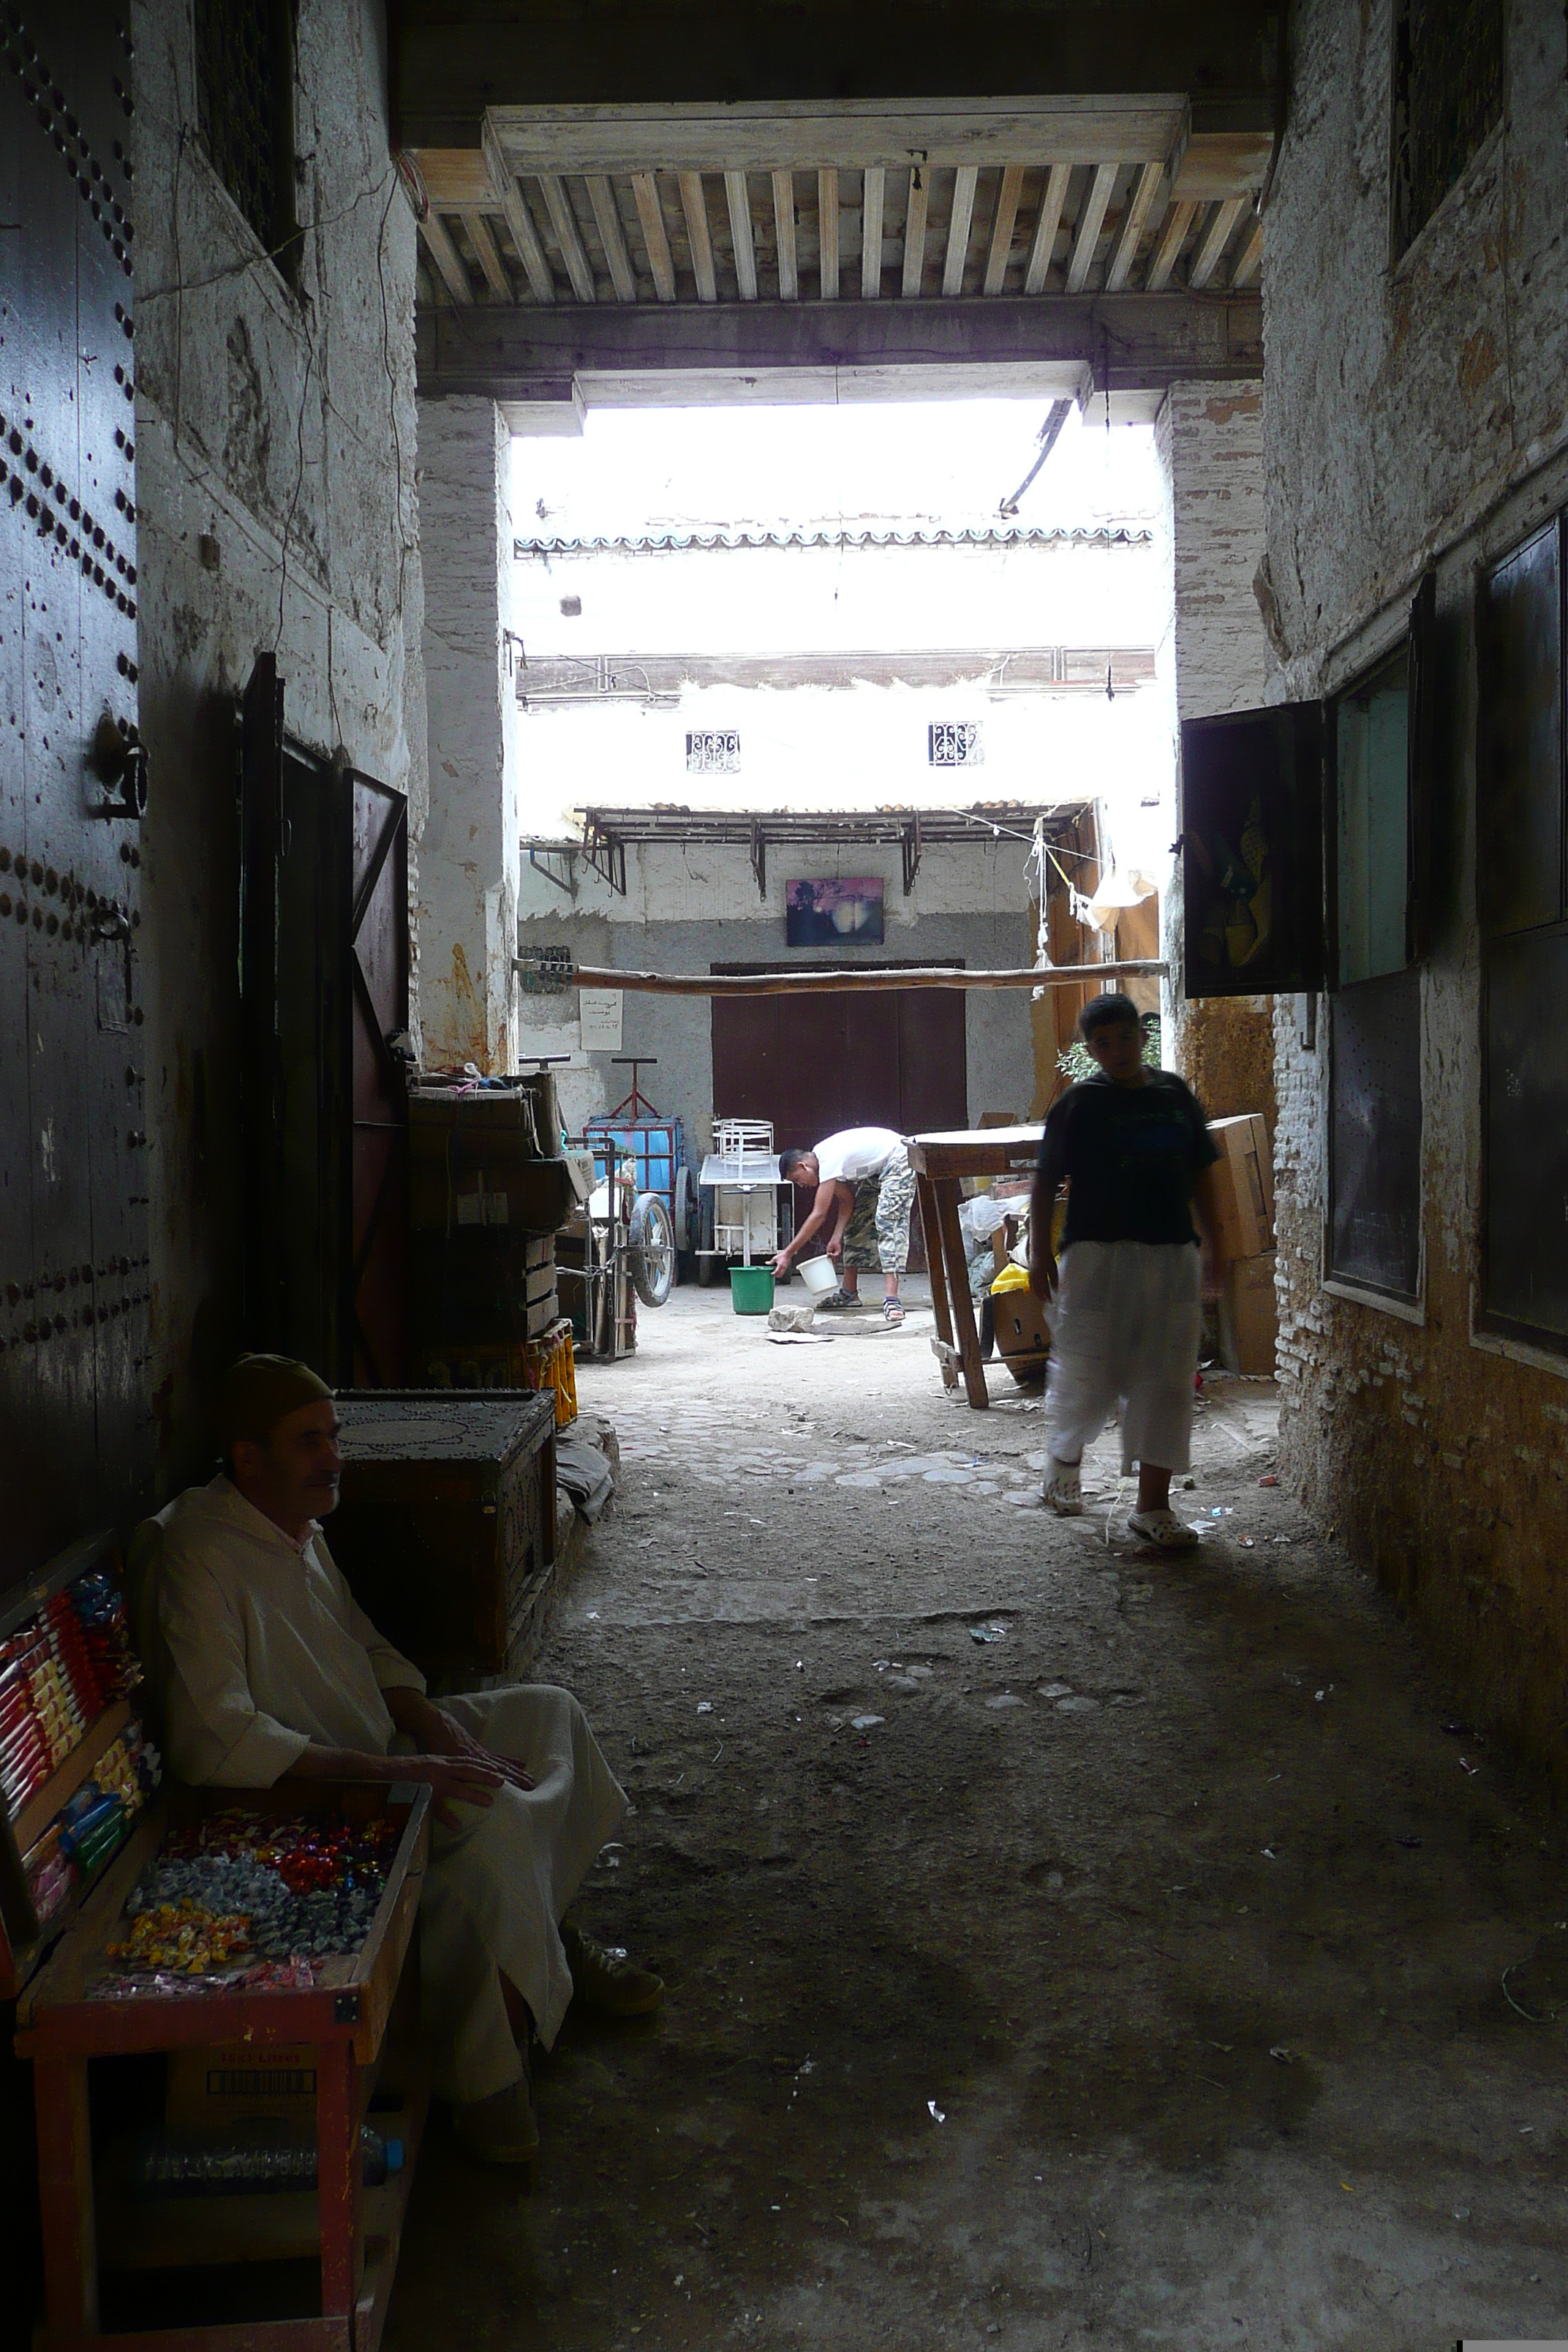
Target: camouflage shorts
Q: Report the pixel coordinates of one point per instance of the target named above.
(877, 1235)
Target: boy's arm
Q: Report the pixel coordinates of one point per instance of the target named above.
(821, 1210)
(844, 1204)
(1042, 1211)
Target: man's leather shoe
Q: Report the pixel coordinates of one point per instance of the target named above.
(606, 1981)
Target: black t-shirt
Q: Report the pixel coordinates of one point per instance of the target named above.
(1129, 1155)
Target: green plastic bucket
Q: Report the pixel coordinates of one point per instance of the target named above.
(751, 1289)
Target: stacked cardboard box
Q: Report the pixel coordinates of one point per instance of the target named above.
(1243, 1190)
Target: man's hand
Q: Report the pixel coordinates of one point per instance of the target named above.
(452, 1780)
(781, 1265)
(836, 1247)
(440, 1735)
(1043, 1276)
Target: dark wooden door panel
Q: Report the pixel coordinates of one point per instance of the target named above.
(932, 1060)
(74, 1419)
(378, 1011)
(816, 1063)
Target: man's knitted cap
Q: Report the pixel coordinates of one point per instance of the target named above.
(256, 1394)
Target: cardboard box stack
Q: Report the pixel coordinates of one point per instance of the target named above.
(1243, 1183)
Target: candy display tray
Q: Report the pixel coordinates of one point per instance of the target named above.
(344, 2015)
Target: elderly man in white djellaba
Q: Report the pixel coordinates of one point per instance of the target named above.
(264, 1671)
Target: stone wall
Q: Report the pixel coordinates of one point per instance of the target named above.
(275, 436)
(1414, 418)
(467, 907)
(1214, 659)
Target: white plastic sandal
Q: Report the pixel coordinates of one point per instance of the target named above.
(1163, 1529)
(1063, 1490)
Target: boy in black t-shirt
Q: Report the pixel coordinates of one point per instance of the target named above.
(1135, 1151)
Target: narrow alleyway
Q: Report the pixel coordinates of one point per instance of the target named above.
(1064, 1946)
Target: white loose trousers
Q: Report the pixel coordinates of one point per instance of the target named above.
(497, 1885)
(1125, 1329)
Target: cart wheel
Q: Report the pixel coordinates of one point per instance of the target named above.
(987, 1326)
(686, 1214)
(650, 1249)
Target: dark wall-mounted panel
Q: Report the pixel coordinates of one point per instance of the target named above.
(75, 1408)
(1525, 1258)
(1252, 870)
(1519, 796)
(1374, 1134)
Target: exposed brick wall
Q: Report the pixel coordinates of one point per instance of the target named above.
(1412, 419)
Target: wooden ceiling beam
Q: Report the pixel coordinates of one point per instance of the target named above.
(1002, 227)
(964, 182)
(915, 230)
(1048, 222)
(827, 232)
(1216, 238)
(737, 196)
(655, 236)
(448, 261)
(568, 235)
(518, 220)
(1090, 221)
(484, 245)
(611, 236)
(519, 352)
(694, 205)
(872, 199)
(1125, 252)
(1249, 260)
(1178, 221)
(784, 236)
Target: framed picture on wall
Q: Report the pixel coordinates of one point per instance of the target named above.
(834, 914)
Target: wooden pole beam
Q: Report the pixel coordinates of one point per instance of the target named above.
(964, 182)
(694, 205)
(738, 198)
(784, 236)
(874, 191)
(1090, 221)
(568, 235)
(1047, 221)
(854, 977)
(1002, 227)
(656, 236)
(915, 230)
(827, 232)
(611, 236)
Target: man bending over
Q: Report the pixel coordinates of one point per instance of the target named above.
(268, 1672)
(864, 1189)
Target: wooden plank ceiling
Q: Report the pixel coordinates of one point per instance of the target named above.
(854, 204)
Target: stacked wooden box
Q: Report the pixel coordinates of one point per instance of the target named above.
(1244, 1188)
(488, 1190)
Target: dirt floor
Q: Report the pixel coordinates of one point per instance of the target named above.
(1064, 1946)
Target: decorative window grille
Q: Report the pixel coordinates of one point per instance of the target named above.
(245, 96)
(1448, 94)
(955, 743)
(713, 752)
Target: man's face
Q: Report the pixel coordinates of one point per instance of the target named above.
(805, 1172)
(294, 1476)
(1118, 1047)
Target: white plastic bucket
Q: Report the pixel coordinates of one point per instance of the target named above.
(819, 1275)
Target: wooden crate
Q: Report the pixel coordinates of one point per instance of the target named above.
(446, 1521)
(343, 2017)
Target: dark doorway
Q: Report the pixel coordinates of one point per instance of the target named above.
(814, 1064)
(325, 999)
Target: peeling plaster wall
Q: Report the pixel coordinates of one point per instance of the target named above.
(1214, 659)
(467, 907)
(1419, 419)
(265, 420)
(968, 903)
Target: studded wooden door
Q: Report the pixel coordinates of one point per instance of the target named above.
(74, 1419)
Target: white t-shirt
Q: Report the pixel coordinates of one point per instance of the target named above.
(857, 1151)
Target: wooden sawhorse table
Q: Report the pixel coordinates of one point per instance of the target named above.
(940, 1163)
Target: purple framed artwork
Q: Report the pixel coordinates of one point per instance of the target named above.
(834, 914)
